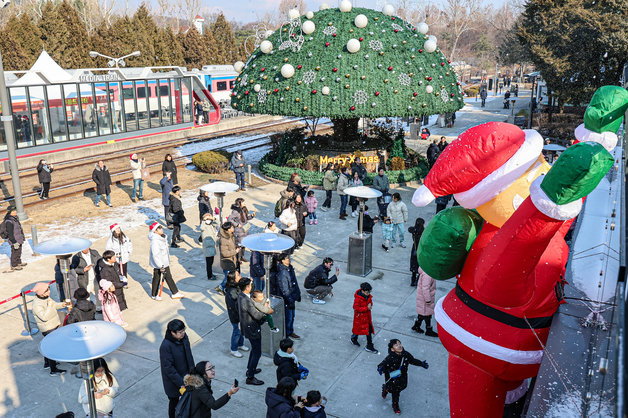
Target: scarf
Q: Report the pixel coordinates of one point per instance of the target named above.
(286, 355)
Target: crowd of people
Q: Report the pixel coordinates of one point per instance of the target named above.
(187, 384)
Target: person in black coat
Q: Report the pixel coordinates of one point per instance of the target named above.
(102, 178)
(301, 212)
(175, 359)
(178, 215)
(109, 269)
(199, 384)
(368, 223)
(15, 236)
(204, 205)
(232, 290)
(357, 167)
(44, 171)
(83, 310)
(432, 153)
(279, 400)
(313, 405)
(416, 231)
(395, 370)
(287, 363)
(168, 166)
(288, 288)
(251, 320)
(82, 268)
(318, 283)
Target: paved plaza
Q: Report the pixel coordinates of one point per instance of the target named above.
(345, 374)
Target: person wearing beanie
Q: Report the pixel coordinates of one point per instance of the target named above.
(47, 319)
(159, 260)
(509, 260)
(137, 167)
(15, 236)
(121, 245)
(362, 320)
(110, 307)
(84, 309)
(395, 371)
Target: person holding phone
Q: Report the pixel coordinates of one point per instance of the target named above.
(319, 284)
(105, 389)
(199, 383)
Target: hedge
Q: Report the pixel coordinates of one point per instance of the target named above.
(316, 178)
(211, 161)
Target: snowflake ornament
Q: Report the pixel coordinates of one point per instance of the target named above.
(261, 96)
(444, 95)
(376, 45)
(397, 27)
(404, 79)
(329, 30)
(309, 77)
(360, 97)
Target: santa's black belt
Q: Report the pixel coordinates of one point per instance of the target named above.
(500, 316)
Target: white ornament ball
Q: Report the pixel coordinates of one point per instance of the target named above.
(257, 88)
(238, 66)
(430, 46)
(323, 6)
(308, 27)
(388, 10)
(353, 45)
(293, 14)
(287, 70)
(432, 38)
(361, 21)
(325, 90)
(268, 33)
(422, 28)
(345, 6)
(266, 46)
(309, 14)
(429, 89)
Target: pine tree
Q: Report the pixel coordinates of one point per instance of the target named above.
(211, 48)
(64, 36)
(27, 35)
(13, 57)
(193, 50)
(145, 34)
(115, 40)
(167, 49)
(227, 49)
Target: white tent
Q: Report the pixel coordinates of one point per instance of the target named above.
(48, 68)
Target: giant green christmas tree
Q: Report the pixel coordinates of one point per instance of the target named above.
(345, 65)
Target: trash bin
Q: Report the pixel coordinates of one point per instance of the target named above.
(270, 340)
(415, 130)
(360, 254)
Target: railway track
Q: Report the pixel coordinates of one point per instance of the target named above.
(221, 142)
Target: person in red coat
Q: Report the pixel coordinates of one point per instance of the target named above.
(362, 322)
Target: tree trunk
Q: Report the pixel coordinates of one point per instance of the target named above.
(346, 130)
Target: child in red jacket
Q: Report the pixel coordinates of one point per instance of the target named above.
(362, 322)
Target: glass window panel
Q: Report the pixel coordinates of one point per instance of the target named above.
(73, 111)
(39, 116)
(117, 103)
(164, 90)
(130, 112)
(88, 106)
(164, 101)
(221, 86)
(143, 110)
(21, 125)
(58, 125)
(103, 99)
(186, 100)
(141, 92)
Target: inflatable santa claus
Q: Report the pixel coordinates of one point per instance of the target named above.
(505, 245)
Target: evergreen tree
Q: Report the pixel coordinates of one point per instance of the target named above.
(115, 40)
(167, 49)
(64, 36)
(193, 50)
(145, 35)
(227, 49)
(211, 49)
(27, 35)
(13, 57)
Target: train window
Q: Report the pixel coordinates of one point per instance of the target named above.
(221, 85)
(163, 91)
(141, 92)
(127, 93)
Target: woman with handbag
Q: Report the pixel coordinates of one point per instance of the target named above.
(240, 218)
(178, 216)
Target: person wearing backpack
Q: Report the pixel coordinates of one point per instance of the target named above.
(281, 203)
(198, 383)
(11, 230)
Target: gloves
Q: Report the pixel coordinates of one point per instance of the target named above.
(216, 211)
(123, 279)
(380, 370)
(425, 365)
(303, 375)
(16, 246)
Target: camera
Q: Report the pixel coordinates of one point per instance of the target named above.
(4, 3)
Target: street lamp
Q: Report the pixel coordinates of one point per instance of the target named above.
(114, 62)
(7, 120)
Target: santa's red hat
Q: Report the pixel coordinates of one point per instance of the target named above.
(114, 226)
(153, 226)
(133, 156)
(480, 164)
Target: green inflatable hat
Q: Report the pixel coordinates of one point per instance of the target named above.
(447, 240)
(606, 109)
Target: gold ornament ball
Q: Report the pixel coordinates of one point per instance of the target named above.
(386, 81)
(411, 74)
(297, 100)
(318, 68)
(305, 108)
(235, 105)
(287, 88)
(424, 105)
(347, 86)
(350, 30)
(348, 75)
(239, 96)
(396, 91)
(251, 105)
(265, 77)
(299, 82)
(286, 60)
(437, 94)
(363, 77)
(381, 52)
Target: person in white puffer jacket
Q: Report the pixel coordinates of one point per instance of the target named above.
(120, 244)
(288, 218)
(159, 260)
(398, 213)
(105, 389)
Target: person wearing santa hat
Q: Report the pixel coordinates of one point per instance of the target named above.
(137, 165)
(47, 319)
(159, 260)
(495, 320)
(121, 245)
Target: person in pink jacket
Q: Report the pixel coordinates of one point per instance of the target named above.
(311, 203)
(425, 293)
(110, 308)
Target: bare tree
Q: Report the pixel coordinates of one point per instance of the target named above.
(461, 16)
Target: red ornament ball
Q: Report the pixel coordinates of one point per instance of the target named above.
(377, 93)
(415, 94)
(420, 51)
(429, 79)
(396, 30)
(442, 64)
(263, 69)
(448, 62)
(299, 66)
(334, 35)
(393, 18)
(452, 95)
(314, 91)
(361, 39)
(326, 43)
(335, 69)
(246, 92)
(233, 94)
(390, 68)
(276, 90)
(352, 107)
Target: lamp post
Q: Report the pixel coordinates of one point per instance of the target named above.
(7, 120)
(114, 62)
